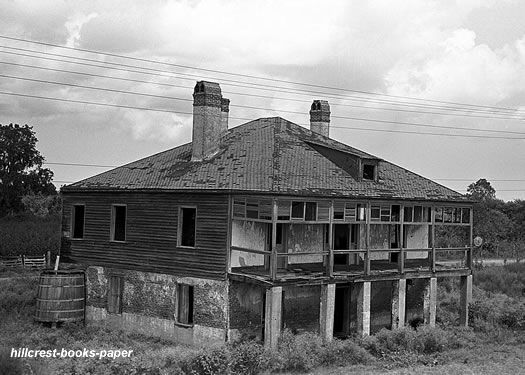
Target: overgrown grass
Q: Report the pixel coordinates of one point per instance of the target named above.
(508, 279)
(26, 234)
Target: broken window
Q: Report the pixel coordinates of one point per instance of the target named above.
(185, 304)
(438, 218)
(408, 214)
(118, 222)
(465, 215)
(310, 211)
(187, 226)
(339, 210)
(297, 210)
(252, 209)
(375, 213)
(395, 211)
(283, 210)
(115, 292)
(369, 172)
(78, 221)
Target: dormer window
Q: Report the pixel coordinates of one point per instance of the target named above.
(369, 172)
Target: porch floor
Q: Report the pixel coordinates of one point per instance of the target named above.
(312, 271)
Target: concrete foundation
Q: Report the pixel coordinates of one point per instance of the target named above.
(326, 313)
(273, 314)
(398, 303)
(465, 299)
(363, 290)
(149, 305)
(429, 302)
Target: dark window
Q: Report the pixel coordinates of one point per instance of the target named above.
(185, 304)
(311, 211)
(368, 172)
(297, 210)
(408, 214)
(438, 215)
(187, 226)
(465, 215)
(395, 212)
(375, 213)
(118, 223)
(418, 214)
(252, 210)
(115, 291)
(279, 234)
(78, 221)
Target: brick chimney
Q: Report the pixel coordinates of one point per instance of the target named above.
(320, 117)
(207, 121)
(225, 109)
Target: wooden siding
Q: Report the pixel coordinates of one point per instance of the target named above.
(151, 233)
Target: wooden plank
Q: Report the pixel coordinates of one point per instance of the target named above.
(330, 263)
(273, 257)
(433, 238)
(401, 256)
(367, 240)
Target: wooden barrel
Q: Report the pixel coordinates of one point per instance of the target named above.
(61, 296)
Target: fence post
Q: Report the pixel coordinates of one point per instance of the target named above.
(23, 261)
(48, 259)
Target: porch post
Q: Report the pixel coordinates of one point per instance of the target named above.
(399, 288)
(429, 302)
(326, 314)
(363, 307)
(273, 256)
(272, 316)
(465, 299)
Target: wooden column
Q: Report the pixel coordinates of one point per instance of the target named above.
(429, 302)
(363, 307)
(433, 239)
(326, 314)
(401, 256)
(229, 235)
(273, 256)
(469, 255)
(367, 240)
(273, 316)
(330, 263)
(399, 288)
(465, 299)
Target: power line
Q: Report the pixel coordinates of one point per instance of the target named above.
(260, 108)
(247, 119)
(243, 85)
(436, 179)
(254, 95)
(244, 75)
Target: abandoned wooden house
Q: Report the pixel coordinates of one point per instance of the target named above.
(246, 231)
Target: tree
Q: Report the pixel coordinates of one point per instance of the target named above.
(481, 190)
(21, 171)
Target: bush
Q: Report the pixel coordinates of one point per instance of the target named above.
(25, 234)
(247, 358)
(207, 362)
(508, 279)
(491, 312)
(424, 340)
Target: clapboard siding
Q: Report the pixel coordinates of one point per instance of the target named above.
(151, 233)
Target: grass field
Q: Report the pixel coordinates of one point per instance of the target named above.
(495, 345)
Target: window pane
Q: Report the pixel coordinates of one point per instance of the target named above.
(311, 211)
(465, 215)
(375, 213)
(119, 233)
(78, 221)
(418, 214)
(408, 214)
(438, 215)
(297, 210)
(188, 227)
(395, 212)
(368, 172)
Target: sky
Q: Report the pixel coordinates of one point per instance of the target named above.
(453, 68)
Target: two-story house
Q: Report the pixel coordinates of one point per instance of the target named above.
(267, 225)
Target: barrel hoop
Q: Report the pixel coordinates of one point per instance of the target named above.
(60, 300)
(62, 286)
(61, 311)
